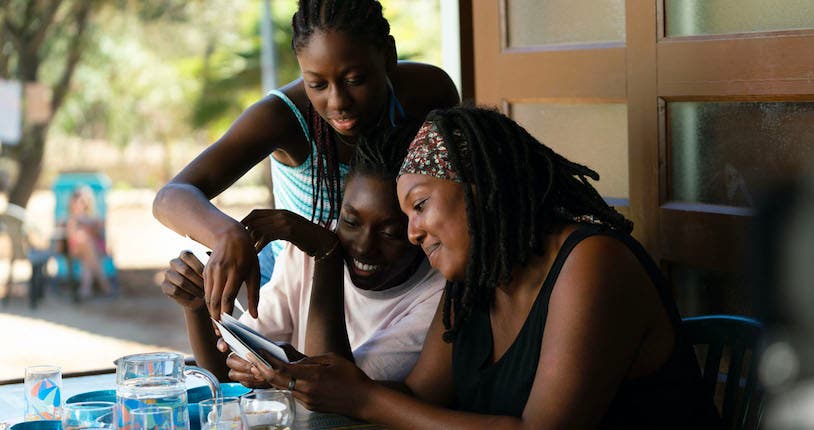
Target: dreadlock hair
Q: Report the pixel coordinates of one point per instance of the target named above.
(363, 20)
(516, 190)
(381, 153)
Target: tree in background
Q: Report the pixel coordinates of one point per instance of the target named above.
(132, 72)
(29, 32)
(43, 42)
(138, 89)
(229, 86)
(135, 90)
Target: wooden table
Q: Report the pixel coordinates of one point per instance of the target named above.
(12, 403)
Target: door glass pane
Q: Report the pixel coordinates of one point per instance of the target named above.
(723, 153)
(556, 22)
(591, 134)
(695, 17)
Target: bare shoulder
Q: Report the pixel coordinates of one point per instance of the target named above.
(414, 68)
(423, 87)
(604, 268)
(600, 310)
(266, 126)
(272, 119)
(604, 249)
(269, 125)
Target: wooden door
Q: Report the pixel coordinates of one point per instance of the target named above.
(688, 113)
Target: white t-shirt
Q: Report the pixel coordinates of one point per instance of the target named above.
(386, 329)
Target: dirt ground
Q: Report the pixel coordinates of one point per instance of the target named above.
(90, 335)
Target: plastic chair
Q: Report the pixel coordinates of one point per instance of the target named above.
(68, 269)
(742, 401)
(13, 224)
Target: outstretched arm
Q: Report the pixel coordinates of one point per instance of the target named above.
(599, 312)
(331, 383)
(183, 204)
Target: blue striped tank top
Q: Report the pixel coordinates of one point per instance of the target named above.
(292, 188)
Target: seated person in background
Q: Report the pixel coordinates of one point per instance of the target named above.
(84, 234)
(389, 291)
(554, 317)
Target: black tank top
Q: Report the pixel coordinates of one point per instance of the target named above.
(671, 397)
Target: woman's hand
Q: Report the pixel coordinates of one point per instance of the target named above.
(266, 225)
(183, 281)
(233, 262)
(240, 369)
(325, 383)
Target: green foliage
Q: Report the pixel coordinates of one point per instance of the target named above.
(415, 24)
(233, 74)
(230, 85)
(142, 76)
(163, 70)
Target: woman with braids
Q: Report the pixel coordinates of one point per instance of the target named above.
(351, 84)
(553, 316)
(371, 296)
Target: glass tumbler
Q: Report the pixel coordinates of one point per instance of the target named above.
(220, 414)
(267, 410)
(83, 415)
(43, 392)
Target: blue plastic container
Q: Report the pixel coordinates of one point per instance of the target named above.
(40, 425)
(94, 396)
(194, 395)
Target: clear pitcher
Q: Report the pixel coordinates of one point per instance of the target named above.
(156, 379)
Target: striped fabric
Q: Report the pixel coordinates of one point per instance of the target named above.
(292, 190)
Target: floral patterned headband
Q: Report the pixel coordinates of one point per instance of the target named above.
(429, 155)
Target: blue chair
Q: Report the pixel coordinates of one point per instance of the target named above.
(64, 185)
(729, 340)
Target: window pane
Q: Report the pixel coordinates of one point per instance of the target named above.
(556, 22)
(590, 134)
(723, 152)
(694, 17)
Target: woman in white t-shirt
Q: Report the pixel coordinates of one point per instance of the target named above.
(389, 291)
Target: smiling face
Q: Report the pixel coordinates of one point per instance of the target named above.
(373, 234)
(345, 80)
(436, 209)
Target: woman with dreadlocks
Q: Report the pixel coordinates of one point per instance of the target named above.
(351, 84)
(552, 317)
